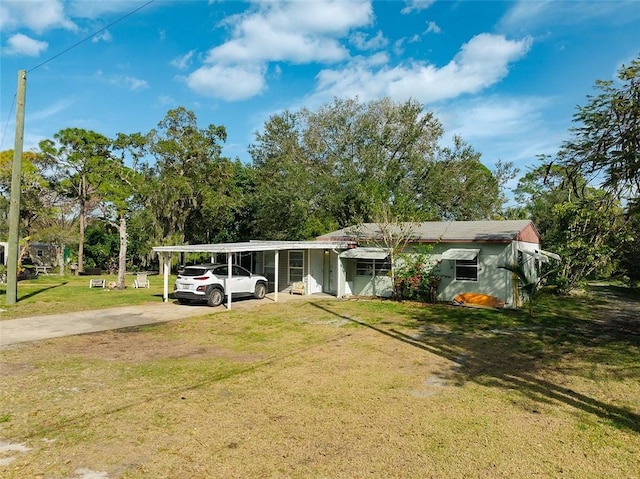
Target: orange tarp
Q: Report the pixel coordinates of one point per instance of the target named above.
(478, 300)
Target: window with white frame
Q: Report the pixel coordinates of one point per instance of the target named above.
(467, 269)
(373, 267)
(296, 266)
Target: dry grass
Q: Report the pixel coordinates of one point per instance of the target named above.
(328, 389)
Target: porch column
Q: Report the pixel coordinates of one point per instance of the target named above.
(277, 259)
(228, 288)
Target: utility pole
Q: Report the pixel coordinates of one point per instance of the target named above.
(14, 204)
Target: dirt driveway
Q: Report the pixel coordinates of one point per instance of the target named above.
(36, 328)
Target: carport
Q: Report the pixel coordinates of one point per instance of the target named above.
(229, 249)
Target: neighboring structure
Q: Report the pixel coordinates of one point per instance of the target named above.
(39, 253)
(353, 261)
(4, 250)
(43, 254)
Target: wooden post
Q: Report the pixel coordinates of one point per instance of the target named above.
(14, 204)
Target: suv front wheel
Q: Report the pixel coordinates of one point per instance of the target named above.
(261, 291)
(215, 297)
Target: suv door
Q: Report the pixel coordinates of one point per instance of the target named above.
(242, 281)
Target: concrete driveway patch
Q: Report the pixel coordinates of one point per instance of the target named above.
(36, 328)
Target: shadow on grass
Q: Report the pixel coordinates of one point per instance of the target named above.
(35, 292)
(506, 349)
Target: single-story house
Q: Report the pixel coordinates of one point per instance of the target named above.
(467, 255)
(353, 261)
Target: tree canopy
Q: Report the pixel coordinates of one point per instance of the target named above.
(350, 162)
(605, 148)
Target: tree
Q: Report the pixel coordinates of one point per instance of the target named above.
(461, 188)
(629, 246)
(78, 160)
(597, 174)
(288, 198)
(583, 229)
(57, 223)
(528, 285)
(348, 162)
(33, 191)
(119, 192)
(187, 189)
(376, 155)
(606, 146)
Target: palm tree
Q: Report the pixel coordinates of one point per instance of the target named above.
(529, 286)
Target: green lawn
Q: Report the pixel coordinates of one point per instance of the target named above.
(49, 294)
(328, 388)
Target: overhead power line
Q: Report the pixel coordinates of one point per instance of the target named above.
(67, 50)
(92, 35)
(4, 132)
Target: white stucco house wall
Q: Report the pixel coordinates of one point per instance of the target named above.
(467, 256)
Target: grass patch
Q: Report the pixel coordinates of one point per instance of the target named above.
(53, 294)
(332, 389)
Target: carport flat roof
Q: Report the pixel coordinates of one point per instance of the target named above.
(256, 245)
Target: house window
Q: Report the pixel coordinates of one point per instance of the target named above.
(467, 269)
(296, 266)
(371, 267)
(39, 253)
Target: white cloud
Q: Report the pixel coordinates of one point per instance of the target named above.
(104, 36)
(35, 15)
(432, 27)
(526, 15)
(166, 100)
(416, 6)
(292, 31)
(50, 110)
(364, 42)
(123, 81)
(183, 62)
(380, 58)
(289, 31)
(22, 45)
(228, 82)
(481, 62)
(133, 83)
(513, 129)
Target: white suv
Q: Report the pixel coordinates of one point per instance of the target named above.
(209, 282)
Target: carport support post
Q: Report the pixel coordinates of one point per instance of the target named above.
(230, 266)
(338, 276)
(165, 277)
(277, 260)
(308, 288)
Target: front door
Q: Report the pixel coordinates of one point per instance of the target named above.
(328, 277)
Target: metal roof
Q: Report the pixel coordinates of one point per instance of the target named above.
(253, 246)
(434, 231)
(461, 253)
(366, 253)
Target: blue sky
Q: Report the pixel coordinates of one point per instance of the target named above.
(506, 76)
